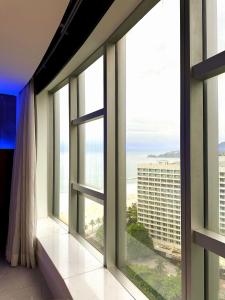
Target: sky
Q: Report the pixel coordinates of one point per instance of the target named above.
(62, 96)
(153, 80)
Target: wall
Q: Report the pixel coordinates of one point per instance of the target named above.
(7, 145)
(6, 162)
(7, 121)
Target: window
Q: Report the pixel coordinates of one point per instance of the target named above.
(215, 26)
(61, 154)
(91, 88)
(147, 150)
(213, 41)
(87, 140)
(149, 76)
(91, 221)
(91, 154)
(216, 269)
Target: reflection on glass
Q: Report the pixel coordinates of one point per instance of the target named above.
(216, 153)
(91, 223)
(216, 276)
(215, 26)
(150, 236)
(91, 88)
(91, 171)
(220, 93)
(221, 278)
(61, 159)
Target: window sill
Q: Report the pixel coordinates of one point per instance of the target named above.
(81, 273)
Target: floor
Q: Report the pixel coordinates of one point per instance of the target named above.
(22, 284)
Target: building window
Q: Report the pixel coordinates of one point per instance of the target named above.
(61, 154)
(134, 177)
(87, 140)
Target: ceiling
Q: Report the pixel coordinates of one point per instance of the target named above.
(26, 30)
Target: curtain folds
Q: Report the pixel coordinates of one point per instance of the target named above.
(22, 214)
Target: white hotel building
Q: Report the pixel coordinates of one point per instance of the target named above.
(159, 205)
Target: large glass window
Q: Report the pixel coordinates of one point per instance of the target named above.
(149, 153)
(61, 154)
(91, 88)
(153, 157)
(215, 130)
(91, 154)
(215, 276)
(91, 222)
(215, 126)
(215, 30)
(88, 140)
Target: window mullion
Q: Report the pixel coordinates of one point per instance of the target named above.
(194, 207)
(73, 198)
(109, 156)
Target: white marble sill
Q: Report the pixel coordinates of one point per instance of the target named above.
(83, 274)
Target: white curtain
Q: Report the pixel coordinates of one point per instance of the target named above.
(22, 214)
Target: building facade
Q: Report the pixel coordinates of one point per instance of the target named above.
(159, 202)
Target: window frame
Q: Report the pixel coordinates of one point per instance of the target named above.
(75, 121)
(209, 240)
(55, 204)
(195, 239)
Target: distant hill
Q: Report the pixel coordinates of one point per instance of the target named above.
(176, 154)
(171, 154)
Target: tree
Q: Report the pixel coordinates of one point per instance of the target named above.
(132, 214)
(140, 233)
(92, 223)
(155, 285)
(100, 234)
(139, 243)
(160, 268)
(99, 221)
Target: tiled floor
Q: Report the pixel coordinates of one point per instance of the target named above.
(22, 284)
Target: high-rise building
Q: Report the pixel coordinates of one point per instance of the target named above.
(159, 202)
(222, 197)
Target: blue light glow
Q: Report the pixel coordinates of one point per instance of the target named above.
(10, 88)
(7, 144)
(7, 121)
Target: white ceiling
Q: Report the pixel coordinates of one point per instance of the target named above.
(26, 30)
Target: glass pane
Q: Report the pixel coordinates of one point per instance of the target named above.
(216, 276)
(149, 153)
(215, 26)
(61, 154)
(216, 153)
(91, 223)
(91, 155)
(91, 88)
